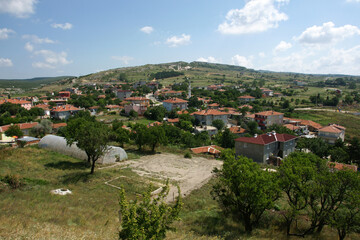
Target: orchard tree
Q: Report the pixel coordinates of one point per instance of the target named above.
(218, 123)
(243, 190)
(149, 218)
(40, 130)
(90, 136)
(155, 136)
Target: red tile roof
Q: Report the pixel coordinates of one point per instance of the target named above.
(136, 99)
(291, 127)
(14, 101)
(213, 149)
(65, 108)
(342, 166)
(174, 120)
(268, 113)
(210, 112)
(310, 123)
(59, 125)
(245, 97)
(112, 106)
(42, 106)
(330, 129)
(267, 138)
(214, 105)
(175, 100)
(22, 126)
(249, 106)
(237, 130)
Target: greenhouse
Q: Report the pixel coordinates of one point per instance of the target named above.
(58, 144)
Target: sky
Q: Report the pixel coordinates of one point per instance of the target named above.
(41, 38)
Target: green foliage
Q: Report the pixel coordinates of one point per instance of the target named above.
(187, 155)
(339, 154)
(244, 191)
(149, 218)
(155, 136)
(133, 114)
(353, 150)
(279, 129)
(165, 74)
(14, 130)
(315, 145)
(13, 180)
(218, 123)
(156, 113)
(43, 128)
(90, 136)
(194, 102)
(312, 189)
(139, 135)
(226, 139)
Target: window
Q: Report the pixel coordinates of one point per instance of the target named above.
(245, 145)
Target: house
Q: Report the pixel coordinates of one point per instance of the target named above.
(139, 108)
(139, 84)
(292, 127)
(173, 120)
(261, 148)
(212, 149)
(209, 129)
(267, 92)
(138, 100)
(59, 102)
(23, 103)
(268, 118)
(174, 103)
(311, 125)
(331, 133)
(237, 130)
(206, 117)
(64, 94)
(63, 112)
(112, 107)
(122, 94)
(24, 127)
(335, 166)
(246, 98)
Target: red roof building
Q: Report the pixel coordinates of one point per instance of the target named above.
(268, 118)
(260, 148)
(175, 103)
(23, 103)
(213, 150)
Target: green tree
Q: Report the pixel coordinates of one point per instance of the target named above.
(339, 155)
(156, 136)
(133, 114)
(14, 130)
(40, 130)
(354, 150)
(90, 136)
(218, 123)
(280, 129)
(226, 139)
(122, 136)
(149, 218)
(140, 135)
(156, 113)
(244, 191)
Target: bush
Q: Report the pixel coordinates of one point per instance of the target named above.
(187, 155)
(13, 180)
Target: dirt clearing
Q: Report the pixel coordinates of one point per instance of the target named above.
(189, 174)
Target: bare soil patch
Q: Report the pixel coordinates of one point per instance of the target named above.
(189, 174)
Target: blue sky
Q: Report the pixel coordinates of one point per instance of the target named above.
(77, 37)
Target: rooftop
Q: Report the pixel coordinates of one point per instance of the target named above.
(268, 113)
(65, 108)
(210, 112)
(175, 100)
(267, 138)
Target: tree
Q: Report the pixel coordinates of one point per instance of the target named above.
(352, 85)
(316, 145)
(40, 130)
(280, 129)
(150, 218)
(339, 155)
(243, 190)
(156, 113)
(156, 136)
(140, 135)
(90, 136)
(194, 102)
(218, 123)
(133, 114)
(14, 130)
(121, 136)
(354, 150)
(226, 139)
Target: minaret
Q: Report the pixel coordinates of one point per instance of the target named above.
(189, 90)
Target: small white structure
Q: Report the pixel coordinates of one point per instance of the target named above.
(61, 191)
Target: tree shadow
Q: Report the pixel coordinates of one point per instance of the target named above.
(66, 165)
(75, 177)
(217, 226)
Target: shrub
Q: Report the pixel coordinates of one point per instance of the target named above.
(13, 180)
(187, 155)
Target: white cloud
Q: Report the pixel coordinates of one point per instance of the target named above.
(29, 47)
(176, 41)
(36, 39)
(18, 8)
(209, 59)
(124, 59)
(5, 32)
(357, 1)
(147, 29)
(5, 62)
(51, 59)
(256, 16)
(262, 54)
(282, 46)
(327, 33)
(63, 26)
(242, 61)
